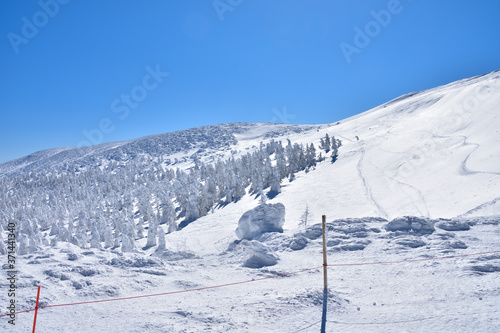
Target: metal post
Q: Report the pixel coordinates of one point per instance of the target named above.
(325, 285)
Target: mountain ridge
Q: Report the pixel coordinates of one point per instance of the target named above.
(213, 137)
(185, 140)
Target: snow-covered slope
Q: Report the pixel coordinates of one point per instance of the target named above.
(432, 154)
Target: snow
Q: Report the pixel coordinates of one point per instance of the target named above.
(257, 255)
(422, 182)
(263, 218)
(415, 225)
(460, 293)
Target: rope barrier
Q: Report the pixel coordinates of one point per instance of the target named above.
(169, 292)
(255, 280)
(414, 260)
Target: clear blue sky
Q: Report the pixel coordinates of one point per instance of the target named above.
(86, 65)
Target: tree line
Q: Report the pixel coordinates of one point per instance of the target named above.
(114, 205)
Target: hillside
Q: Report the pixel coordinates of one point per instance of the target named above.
(208, 141)
(417, 178)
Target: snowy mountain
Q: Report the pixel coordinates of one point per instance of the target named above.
(417, 178)
(212, 141)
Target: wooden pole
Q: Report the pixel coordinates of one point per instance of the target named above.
(325, 281)
(36, 308)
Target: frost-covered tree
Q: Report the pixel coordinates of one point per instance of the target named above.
(239, 187)
(205, 201)
(262, 197)
(152, 234)
(336, 143)
(275, 182)
(167, 214)
(95, 238)
(161, 240)
(117, 235)
(108, 237)
(325, 143)
(3, 249)
(128, 237)
(310, 155)
(81, 234)
(127, 244)
(281, 161)
(63, 233)
(256, 182)
(23, 247)
(192, 204)
(305, 217)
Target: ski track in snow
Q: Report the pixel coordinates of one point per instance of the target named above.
(464, 169)
(463, 165)
(368, 191)
(386, 322)
(480, 207)
(423, 209)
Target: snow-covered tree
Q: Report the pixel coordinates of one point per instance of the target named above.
(161, 240)
(310, 155)
(128, 237)
(152, 234)
(3, 248)
(275, 181)
(336, 143)
(325, 143)
(305, 217)
(108, 237)
(23, 247)
(95, 238)
(192, 204)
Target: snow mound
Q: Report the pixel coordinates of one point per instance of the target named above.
(411, 242)
(174, 256)
(257, 255)
(411, 224)
(453, 226)
(263, 218)
(298, 243)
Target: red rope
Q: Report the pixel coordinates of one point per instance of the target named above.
(255, 280)
(170, 292)
(414, 260)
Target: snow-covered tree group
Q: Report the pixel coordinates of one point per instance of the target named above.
(114, 205)
(330, 144)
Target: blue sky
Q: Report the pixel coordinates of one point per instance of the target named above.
(80, 72)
